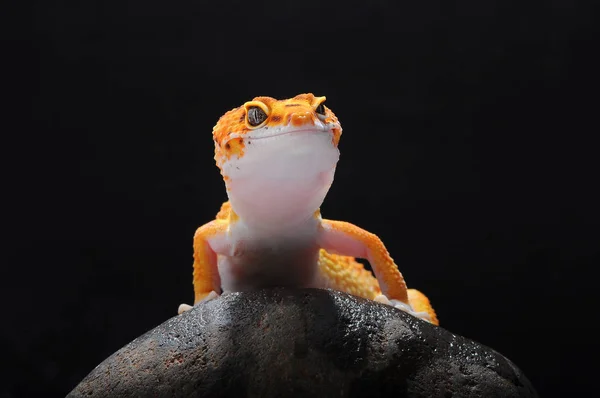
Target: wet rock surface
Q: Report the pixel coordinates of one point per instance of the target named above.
(302, 342)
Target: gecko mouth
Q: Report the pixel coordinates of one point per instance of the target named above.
(282, 133)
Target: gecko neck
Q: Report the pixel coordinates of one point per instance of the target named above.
(275, 219)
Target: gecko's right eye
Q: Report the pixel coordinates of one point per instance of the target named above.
(256, 116)
(320, 109)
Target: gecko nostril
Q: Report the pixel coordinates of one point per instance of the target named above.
(301, 118)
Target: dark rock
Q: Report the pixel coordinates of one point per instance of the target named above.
(302, 342)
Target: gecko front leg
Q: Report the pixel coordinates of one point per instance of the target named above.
(347, 239)
(207, 282)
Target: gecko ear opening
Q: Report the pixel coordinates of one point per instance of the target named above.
(256, 114)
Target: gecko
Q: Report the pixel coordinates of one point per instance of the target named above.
(278, 159)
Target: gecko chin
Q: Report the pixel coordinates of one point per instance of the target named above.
(281, 178)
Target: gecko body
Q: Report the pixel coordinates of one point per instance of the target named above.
(278, 159)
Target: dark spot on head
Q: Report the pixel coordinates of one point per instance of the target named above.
(291, 105)
(242, 117)
(249, 142)
(276, 118)
(227, 146)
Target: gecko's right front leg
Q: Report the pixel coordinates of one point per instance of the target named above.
(207, 281)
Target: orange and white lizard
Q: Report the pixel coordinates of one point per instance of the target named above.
(278, 159)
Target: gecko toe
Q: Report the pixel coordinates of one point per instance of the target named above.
(183, 308)
(403, 306)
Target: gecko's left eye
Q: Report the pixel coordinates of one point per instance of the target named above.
(320, 109)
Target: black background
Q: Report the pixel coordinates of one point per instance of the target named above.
(468, 147)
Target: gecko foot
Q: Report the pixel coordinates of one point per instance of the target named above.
(186, 307)
(183, 308)
(403, 306)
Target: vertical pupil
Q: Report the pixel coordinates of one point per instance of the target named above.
(256, 116)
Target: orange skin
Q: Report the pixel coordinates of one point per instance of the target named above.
(235, 121)
(338, 242)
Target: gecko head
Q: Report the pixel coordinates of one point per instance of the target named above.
(277, 157)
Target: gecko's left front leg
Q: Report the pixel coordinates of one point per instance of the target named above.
(347, 239)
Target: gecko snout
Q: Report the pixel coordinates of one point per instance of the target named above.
(301, 118)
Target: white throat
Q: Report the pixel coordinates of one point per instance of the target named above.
(281, 180)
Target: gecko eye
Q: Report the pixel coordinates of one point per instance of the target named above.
(320, 109)
(256, 116)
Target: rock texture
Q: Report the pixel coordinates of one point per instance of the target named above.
(302, 342)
